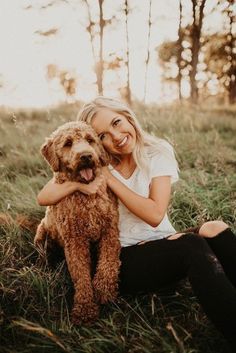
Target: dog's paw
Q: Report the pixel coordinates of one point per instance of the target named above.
(105, 289)
(39, 240)
(85, 313)
(40, 246)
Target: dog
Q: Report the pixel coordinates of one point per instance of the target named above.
(74, 153)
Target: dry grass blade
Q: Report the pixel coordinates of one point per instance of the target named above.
(170, 327)
(30, 326)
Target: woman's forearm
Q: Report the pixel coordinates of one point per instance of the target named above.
(52, 192)
(142, 207)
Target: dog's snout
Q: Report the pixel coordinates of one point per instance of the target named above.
(86, 157)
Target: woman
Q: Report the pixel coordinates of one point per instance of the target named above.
(153, 255)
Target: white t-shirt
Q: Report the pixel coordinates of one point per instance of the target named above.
(133, 229)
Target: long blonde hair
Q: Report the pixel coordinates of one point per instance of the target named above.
(146, 144)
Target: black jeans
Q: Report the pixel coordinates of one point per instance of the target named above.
(208, 263)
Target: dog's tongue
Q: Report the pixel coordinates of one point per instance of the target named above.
(87, 174)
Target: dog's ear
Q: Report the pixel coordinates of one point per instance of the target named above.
(48, 151)
(104, 156)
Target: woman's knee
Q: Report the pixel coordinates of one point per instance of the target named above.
(194, 245)
(212, 228)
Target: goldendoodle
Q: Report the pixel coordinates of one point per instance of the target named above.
(75, 153)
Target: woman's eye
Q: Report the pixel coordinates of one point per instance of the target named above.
(102, 137)
(68, 143)
(116, 122)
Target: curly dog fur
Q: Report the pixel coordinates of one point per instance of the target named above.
(74, 153)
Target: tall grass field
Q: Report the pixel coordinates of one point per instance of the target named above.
(36, 295)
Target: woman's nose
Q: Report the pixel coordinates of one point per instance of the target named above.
(115, 135)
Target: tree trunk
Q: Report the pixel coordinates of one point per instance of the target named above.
(148, 51)
(98, 65)
(180, 50)
(99, 69)
(195, 36)
(232, 56)
(128, 91)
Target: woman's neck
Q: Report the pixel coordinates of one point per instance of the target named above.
(126, 166)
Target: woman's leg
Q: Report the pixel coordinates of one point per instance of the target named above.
(222, 241)
(212, 228)
(156, 264)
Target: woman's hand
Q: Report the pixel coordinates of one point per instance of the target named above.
(97, 186)
(106, 173)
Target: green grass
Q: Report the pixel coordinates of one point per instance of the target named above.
(36, 297)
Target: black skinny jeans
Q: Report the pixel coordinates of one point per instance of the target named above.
(208, 263)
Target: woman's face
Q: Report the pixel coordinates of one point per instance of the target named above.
(118, 136)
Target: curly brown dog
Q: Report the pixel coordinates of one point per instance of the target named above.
(74, 153)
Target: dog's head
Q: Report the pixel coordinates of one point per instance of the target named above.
(75, 148)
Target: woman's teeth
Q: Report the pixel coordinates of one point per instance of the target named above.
(123, 142)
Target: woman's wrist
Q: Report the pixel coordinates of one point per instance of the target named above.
(76, 186)
(110, 180)
(107, 174)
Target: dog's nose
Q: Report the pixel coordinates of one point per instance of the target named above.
(86, 157)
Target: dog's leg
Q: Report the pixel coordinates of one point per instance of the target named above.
(40, 235)
(105, 281)
(77, 254)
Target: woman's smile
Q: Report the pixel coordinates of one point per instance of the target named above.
(123, 142)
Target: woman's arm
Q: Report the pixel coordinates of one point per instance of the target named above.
(152, 209)
(53, 192)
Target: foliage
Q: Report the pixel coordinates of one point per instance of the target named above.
(213, 56)
(219, 60)
(36, 295)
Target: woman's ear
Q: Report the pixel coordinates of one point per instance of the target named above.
(49, 153)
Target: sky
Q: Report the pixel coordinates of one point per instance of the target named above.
(25, 54)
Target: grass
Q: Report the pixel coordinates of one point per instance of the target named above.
(36, 298)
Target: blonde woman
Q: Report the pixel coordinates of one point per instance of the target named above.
(153, 255)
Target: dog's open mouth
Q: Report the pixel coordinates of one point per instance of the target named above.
(86, 174)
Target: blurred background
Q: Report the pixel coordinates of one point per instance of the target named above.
(153, 51)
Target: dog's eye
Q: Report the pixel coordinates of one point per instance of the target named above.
(68, 143)
(90, 140)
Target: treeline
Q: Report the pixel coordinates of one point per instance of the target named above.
(201, 58)
(200, 62)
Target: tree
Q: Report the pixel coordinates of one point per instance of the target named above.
(175, 58)
(180, 58)
(220, 55)
(231, 52)
(100, 63)
(148, 50)
(127, 94)
(91, 29)
(196, 28)
(180, 50)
